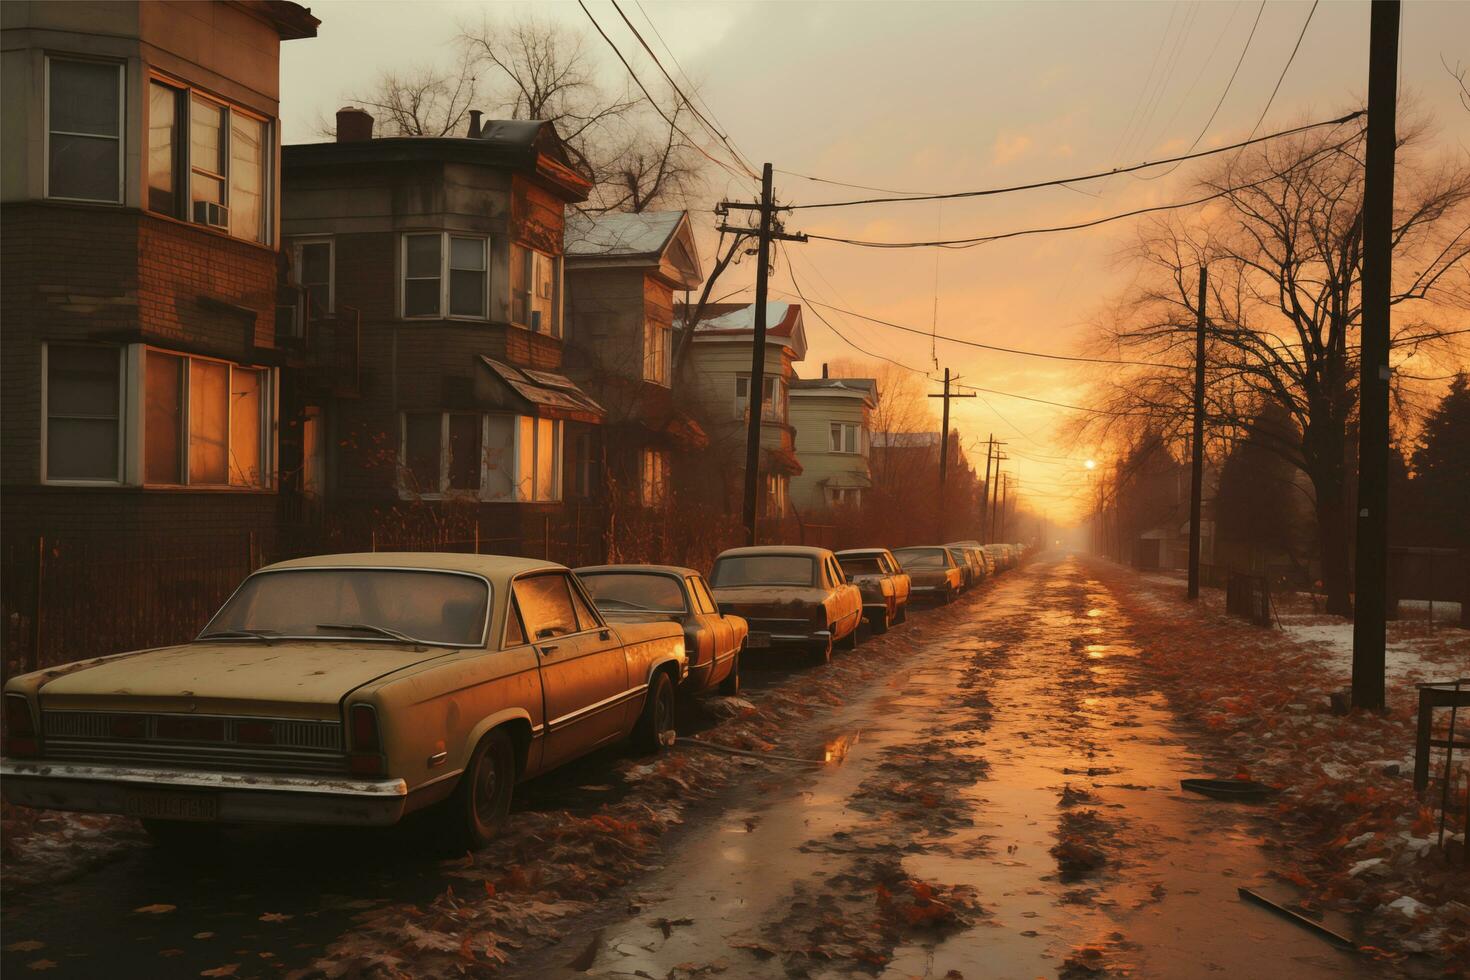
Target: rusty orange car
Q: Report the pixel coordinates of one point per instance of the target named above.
(792, 597)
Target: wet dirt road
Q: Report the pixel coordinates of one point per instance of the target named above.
(1008, 806)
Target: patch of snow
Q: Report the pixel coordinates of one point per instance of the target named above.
(1408, 905)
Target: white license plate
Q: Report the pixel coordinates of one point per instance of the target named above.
(172, 806)
(758, 641)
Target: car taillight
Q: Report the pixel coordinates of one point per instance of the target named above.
(20, 727)
(366, 757)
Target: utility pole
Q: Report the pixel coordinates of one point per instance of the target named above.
(984, 522)
(1372, 529)
(755, 393)
(1005, 486)
(1000, 457)
(1197, 465)
(944, 436)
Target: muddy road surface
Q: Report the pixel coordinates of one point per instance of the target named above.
(999, 800)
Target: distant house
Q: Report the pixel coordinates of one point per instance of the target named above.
(893, 455)
(832, 421)
(621, 273)
(716, 384)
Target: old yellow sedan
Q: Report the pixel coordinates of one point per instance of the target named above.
(348, 689)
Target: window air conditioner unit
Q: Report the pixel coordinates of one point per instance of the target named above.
(209, 213)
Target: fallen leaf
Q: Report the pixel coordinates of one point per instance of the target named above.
(156, 909)
(274, 917)
(41, 965)
(25, 946)
(203, 935)
(228, 970)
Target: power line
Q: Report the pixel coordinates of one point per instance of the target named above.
(656, 107)
(998, 348)
(1292, 57)
(713, 129)
(1206, 127)
(958, 243)
(1085, 177)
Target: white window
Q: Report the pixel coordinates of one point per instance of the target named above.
(654, 482)
(84, 126)
(205, 422)
(775, 499)
(534, 277)
(491, 457)
(445, 275)
(844, 497)
(843, 438)
(83, 435)
(314, 266)
(656, 366)
(208, 161)
(771, 402)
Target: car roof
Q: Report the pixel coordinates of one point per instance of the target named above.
(490, 566)
(921, 547)
(806, 551)
(962, 544)
(860, 552)
(678, 570)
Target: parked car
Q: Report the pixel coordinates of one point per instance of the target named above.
(348, 689)
(997, 553)
(974, 560)
(667, 593)
(932, 570)
(884, 586)
(791, 596)
(969, 573)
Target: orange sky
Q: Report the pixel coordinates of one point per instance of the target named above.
(942, 97)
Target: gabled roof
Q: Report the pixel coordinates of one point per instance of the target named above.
(661, 239)
(736, 321)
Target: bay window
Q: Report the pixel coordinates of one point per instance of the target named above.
(654, 478)
(84, 127)
(771, 404)
(533, 289)
(656, 352)
(445, 274)
(83, 422)
(843, 438)
(208, 161)
(490, 457)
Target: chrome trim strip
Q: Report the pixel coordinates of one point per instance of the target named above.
(174, 778)
(437, 779)
(604, 703)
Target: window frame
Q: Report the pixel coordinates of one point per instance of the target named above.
(184, 164)
(122, 131)
(267, 423)
(122, 417)
(520, 249)
(841, 431)
(444, 274)
(663, 364)
(297, 244)
(654, 466)
(481, 493)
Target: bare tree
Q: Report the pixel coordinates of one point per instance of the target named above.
(420, 101)
(1283, 244)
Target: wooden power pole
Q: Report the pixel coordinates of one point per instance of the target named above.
(755, 393)
(1369, 610)
(1197, 464)
(944, 444)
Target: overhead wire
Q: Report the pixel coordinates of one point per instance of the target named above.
(1286, 68)
(1099, 175)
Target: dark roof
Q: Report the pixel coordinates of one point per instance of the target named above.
(527, 145)
(292, 21)
(548, 394)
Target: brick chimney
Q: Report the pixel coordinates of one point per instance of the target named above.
(475, 123)
(354, 125)
(824, 370)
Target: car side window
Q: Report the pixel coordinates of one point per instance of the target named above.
(515, 633)
(546, 605)
(586, 618)
(703, 601)
(837, 577)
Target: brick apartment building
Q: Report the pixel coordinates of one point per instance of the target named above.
(427, 283)
(138, 195)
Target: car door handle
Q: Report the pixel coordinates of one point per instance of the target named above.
(605, 635)
(549, 648)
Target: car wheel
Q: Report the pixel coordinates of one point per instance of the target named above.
(880, 625)
(949, 595)
(903, 614)
(655, 728)
(823, 649)
(730, 686)
(481, 801)
(182, 835)
(850, 641)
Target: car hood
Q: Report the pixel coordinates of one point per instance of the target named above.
(287, 678)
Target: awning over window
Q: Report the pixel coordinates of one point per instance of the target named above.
(540, 393)
(847, 481)
(782, 461)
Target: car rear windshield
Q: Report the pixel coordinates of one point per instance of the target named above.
(432, 606)
(638, 591)
(764, 570)
(921, 558)
(861, 566)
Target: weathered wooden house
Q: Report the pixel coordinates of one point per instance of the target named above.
(833, 440)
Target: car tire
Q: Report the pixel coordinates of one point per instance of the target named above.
(850, 641)
(180, 836)
(481, 801)
(730, 686)
(880, 625)
(823, 649)
(655, 728)
(903, 615)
